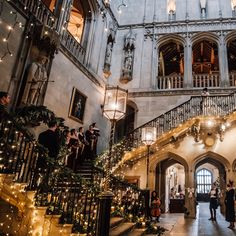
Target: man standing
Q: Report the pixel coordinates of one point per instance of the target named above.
(4, 101)
(213, 201)
(50, 140)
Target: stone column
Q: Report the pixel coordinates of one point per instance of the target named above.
(154, 68)
(223, 62)
(188, 83)
(222, 191)
(190, 197)
(64, 16)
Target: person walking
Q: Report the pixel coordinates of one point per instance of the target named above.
(213, 201)
(229, 203)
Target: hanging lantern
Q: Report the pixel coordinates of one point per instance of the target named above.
(114, 106)
(149, 135)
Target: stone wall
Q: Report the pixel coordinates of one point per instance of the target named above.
(156, 10)
(66, 76)
(7, 19)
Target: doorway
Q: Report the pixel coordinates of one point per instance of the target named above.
(209, 171)
(170, 184)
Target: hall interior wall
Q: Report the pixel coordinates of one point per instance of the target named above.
(156, 10)
(191, 152)
(8, 62)
(66, 76)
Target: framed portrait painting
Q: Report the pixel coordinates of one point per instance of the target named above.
(77, 105)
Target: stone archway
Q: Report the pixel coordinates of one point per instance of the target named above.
(159, 166)
(221, 164)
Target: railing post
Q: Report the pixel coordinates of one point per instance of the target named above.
(103, 216)
(146, 194)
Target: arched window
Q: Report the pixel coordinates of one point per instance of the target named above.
(231, 46)
(205, 64)
(204, 181)
(77, 20)
(170, 66)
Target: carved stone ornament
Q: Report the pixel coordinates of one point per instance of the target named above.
(203, 3)
(129, 46)
(109, 48)
(46, 39)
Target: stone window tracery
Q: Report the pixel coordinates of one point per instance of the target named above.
(204, 181)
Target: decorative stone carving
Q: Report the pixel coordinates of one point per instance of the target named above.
(203, 8)
(45, 42)
(109, 48)
(129, 46)
(36, 81)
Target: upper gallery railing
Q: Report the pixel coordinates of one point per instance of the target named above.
(46, 17)
(206, 80)
(170, 82)
(73, 46)
(199, 81)
(38, 9)
(196, 106)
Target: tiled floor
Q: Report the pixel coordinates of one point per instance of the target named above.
(177, 225)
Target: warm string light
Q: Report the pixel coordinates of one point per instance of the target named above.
(119, 8)
(10, 29)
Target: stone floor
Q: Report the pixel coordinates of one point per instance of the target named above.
(178, 226)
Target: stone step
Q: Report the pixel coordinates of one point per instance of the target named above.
(122, 229)
(115, 221)
(136, 232)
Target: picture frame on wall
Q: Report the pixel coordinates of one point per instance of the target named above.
(77, 105)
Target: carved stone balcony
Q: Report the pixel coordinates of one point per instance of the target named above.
(206, 80)
(36, 8)
(72, 46)
(199, 81)
(170, 82)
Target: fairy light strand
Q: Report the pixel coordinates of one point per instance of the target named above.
(10, 28)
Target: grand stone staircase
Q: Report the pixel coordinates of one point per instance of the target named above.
(76, 204)
(191, 110)
(44, 220)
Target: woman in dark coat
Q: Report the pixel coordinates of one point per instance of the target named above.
(155, 206)
(229, 202)
(73, 145)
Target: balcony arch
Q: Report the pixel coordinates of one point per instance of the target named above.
(230, 41)
(170, 62)
(205, 60)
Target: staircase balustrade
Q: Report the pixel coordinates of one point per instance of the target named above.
(197, 106)
(58, 188)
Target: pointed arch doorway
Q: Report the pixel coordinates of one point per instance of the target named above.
(170, 183)
(209, 170)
